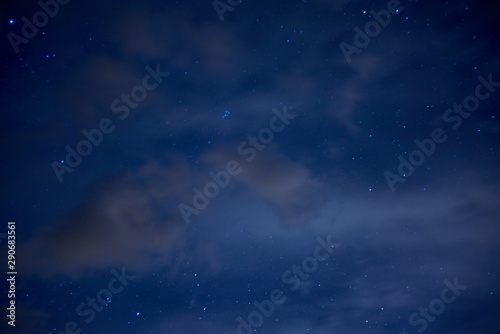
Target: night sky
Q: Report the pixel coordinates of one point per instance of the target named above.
(281, 167)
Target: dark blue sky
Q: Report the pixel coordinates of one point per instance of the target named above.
(181, 168)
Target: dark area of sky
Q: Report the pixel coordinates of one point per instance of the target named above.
(298, 167)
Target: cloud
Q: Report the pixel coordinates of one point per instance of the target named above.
(286, 186)
(133, 220)
(126, 220)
